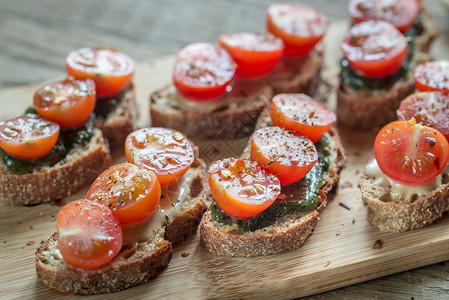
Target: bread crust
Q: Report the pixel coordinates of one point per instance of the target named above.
(396, 216)
(429, 33)
(59, 181)
(120, 122)
(286, 234)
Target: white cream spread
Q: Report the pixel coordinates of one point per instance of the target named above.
(399, 191)
(170, 206)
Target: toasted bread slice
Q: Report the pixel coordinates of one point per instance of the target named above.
(286, 233)
(391, 213)
(119, 122)
(236, 111)
(80, 167)
(143, 254)
(427, 31)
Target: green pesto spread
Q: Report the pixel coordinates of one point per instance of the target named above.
(362, 83)
(305, 193)
(67, 140)
(106, 105)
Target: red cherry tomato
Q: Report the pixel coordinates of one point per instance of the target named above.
(242, 188)
(411, 153)
(375, 48)
(68, 102)
(110, 69)
(131, 193)
(401, 13)
(283, 153)
(433, 76)
(89, 235)
(202, 72)
(300, 26)
(166, 152)
(428, 108)
(28, 137)
(302, 114)
(255, 54)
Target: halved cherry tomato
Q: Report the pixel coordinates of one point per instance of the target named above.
(375, 48)
(300, 26)
(433, 76)
(411, 153)
(110, 69)
(428, 108)
(302, 114)
(401, 13)
(254, 54)
(166, 152)
(68, 102)
(131, 193)
(287, 155)
(89, 235)
(28, 137)
(202, 72)
(242, 188)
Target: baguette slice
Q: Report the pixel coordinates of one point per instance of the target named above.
(120, 121)
(80, 167)
(288, 232)
(428, 31)
(391, 215)
(137, 264)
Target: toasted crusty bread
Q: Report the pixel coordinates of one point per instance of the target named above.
(398, 215)
(288, 232)
(366, 110)
(120, 121)
(80, 167)
(133, 265)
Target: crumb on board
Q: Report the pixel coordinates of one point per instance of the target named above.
(185, 254)
(346, 184)
(327, 263)
(337, 233)
(31, 227)
(353, 221)
(29, 243)
(344, 204)
(378, 244)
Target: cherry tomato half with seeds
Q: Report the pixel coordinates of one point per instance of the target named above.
(202, 72)
(375, 48)
(428, 108)
(89, 235)
(302, 114)
(68, 102)
(28, 137)
(168, 153)
(255, 54)
(288, 156)
(242, 188)
(300, 26)
(411, 153)
(131, 193)
(111, 69)
(432, 76)
(401, 13)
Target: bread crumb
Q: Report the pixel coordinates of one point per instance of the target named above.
(378, 244)
(185, 254)
(31, 227)
(338, 233)
(29, 243)
(345, 205)
(353, 221)
(346, 184)
(327, 263)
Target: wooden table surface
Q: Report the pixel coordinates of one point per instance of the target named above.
(35, 37)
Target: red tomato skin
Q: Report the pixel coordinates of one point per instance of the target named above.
(301, 35)
(361, 46)
(432, 76)
(110, 78)
(202, 72)
(404, 141)
(310, 118)
(402, 13)
(255, 55)
(73, 220)
(71, 113)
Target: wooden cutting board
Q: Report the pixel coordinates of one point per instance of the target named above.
(339, 253)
